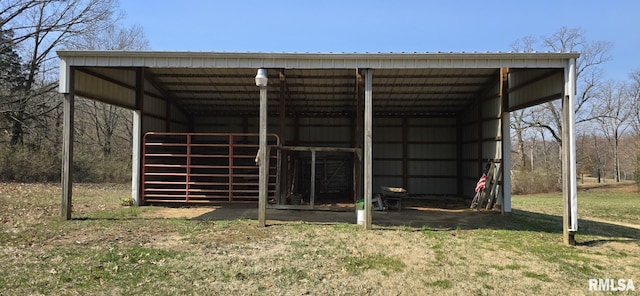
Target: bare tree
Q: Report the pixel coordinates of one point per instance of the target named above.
(107, 119)
(634, 93)
(588, 74)
(615, 109)
(41, 26)
(113, 37)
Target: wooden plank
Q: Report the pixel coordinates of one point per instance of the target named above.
(282, 108)
(480, 122)
(282, 172)
(312, 193)
(405, 154)
(358, 162)
(264, 162)
(67, 150)
(460, 155)
(368, 145)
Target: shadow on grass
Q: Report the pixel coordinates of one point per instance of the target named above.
(444, 217)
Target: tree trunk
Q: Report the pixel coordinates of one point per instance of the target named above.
(17, 129)
(617, 156)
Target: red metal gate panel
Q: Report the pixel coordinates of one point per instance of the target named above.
(205, 167)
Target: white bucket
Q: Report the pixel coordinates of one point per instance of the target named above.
(360, 217)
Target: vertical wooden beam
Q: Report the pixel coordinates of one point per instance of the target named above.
(296, 130)
(359, 137)
(67, 146)
(245, 125)
(282, 107)
(167, 116)
(264, 161)
(405, 153)
(312, 191)
(569, 175)
(460, 156)
(368, 145)
(480, 123)
(505, 203)
(283, 173)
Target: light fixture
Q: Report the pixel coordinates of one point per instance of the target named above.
(261, 78)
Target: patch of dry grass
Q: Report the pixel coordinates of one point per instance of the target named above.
(111, 249)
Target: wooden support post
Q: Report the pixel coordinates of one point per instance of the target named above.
(405, 153)
(264, 161)
(312, 190)
(359, 137)
(368, 145)
(282, 108)
(67, 148)
(480, 123)
(167, 116)
(505, 198)
(296, 130)
(282, 170)
(460, 156)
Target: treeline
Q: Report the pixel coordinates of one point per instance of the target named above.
(30, 106)
(607, 111)
(607, 116)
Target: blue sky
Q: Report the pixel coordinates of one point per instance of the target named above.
(383, 26)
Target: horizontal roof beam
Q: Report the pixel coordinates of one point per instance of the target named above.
(254, 60)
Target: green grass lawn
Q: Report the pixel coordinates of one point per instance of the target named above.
(110, 249)
(616, 206)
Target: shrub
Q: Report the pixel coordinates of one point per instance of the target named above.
(538, 181)
(24, 164)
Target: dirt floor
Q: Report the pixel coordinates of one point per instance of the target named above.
(435, 213)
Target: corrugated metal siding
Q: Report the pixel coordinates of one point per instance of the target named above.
(333, 132)
(178, 115)
(154, 106)
(122, 75)
(105, 91)
(431, 154)
(217, 124)
(524, 92)
(435, 186)
(150, 124)
(480, 133)
(434, 168)
(439, 133)
(178, 127)
(491, 128)
(387, 167)
(150, 87)
(387, 153)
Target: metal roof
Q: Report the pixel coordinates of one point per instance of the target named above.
(210, 83)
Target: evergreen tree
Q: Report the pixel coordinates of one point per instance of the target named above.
(12, 82)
